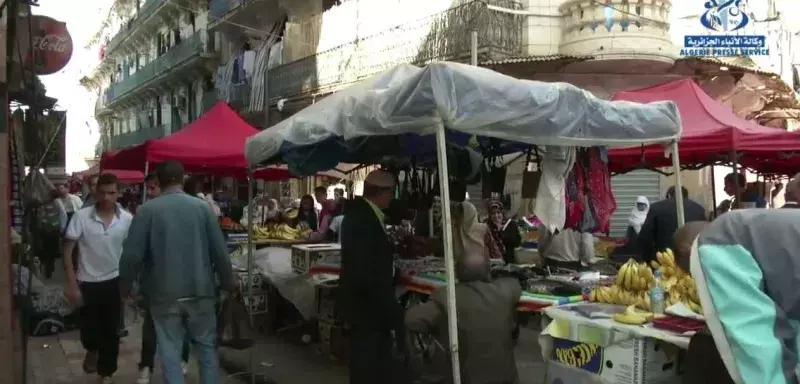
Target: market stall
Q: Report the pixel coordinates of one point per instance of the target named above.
(397, 113)
(630, 332)
(125, 176)
(711, 134)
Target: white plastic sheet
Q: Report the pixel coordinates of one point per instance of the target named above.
(473, 100)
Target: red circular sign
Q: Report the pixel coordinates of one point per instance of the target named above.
(51, 45)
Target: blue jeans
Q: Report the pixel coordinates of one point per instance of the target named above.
(197, 319)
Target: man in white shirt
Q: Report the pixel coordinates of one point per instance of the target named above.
(99, 231)
(70, 202)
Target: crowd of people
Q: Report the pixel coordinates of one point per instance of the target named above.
(118, 251)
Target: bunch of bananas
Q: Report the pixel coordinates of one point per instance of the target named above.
(634, 281)
(630, 316)
(635, 277)
(680, 286)
(616, 295)
(280, 232)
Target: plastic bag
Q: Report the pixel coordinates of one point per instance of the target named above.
(234, 329)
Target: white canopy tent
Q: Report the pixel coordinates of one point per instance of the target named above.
(475, 101)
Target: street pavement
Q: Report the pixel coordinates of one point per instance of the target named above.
(278, 361)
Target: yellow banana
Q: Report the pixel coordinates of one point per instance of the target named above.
(631, 317)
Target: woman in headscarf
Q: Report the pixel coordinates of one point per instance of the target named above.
(639, 214)
(307, 213)
(471, 236)
(505, 232)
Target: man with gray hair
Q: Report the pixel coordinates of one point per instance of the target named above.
(791, 193)
(486, 320)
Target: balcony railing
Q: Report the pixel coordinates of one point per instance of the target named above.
(186, 50)
(619, 28)
(148, 9)
(218, 8)
(136, 137)
(444, 36)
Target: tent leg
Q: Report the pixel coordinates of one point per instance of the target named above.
(449, 263)
(144, 184)
(676, 164)
(250, 269)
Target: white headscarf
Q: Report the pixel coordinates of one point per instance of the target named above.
(637, 217)
(468, 232)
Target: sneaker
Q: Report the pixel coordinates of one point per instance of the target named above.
(90, 362)
(185, 367)
(106, 380)
(122, 333)
(144, 375)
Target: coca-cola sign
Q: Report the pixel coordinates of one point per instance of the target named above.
(51, 45)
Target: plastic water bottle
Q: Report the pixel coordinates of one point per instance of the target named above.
(657, 295)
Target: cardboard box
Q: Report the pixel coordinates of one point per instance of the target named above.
(633, 361)
(258, 282)
(333, 340)
(558, 373)
(326, 302)
(306, 255)
(258, 303)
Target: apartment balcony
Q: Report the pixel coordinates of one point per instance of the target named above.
(136, 137)
(147, 20)
(229, 16)
(445, 36)
(180, 64)
(630, 30)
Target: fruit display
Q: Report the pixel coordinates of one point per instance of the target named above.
(280, 232)
(227, 224)
(630, 316)
(680, 286)
(634, 281)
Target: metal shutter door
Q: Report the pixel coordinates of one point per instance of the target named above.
(626, 189)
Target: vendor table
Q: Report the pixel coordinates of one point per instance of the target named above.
(426, 283)
(599, 350)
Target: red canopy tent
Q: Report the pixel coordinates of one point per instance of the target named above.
(711, 132)
(124, 176)
(213, 143)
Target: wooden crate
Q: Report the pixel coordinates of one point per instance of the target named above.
(306, 255)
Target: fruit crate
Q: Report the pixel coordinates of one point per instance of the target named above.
(333, 340)
(258, 282)
(304, 256)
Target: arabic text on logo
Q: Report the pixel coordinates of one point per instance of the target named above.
(725, 15)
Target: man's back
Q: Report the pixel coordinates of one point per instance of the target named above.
(662, 222)
(181, 248)
(486, 320)
(745, 264)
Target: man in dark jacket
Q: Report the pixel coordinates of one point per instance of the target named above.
(366, 285)
(791, 194)
(662, 221)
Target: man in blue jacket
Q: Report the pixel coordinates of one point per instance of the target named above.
(176, 248)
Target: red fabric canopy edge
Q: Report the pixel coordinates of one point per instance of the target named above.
(214, 143)
(710, 132)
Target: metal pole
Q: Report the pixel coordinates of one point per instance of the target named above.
(144, 184)
(449, 263)
(676, 165)
(250, 269)
(473, 60)
(737, 193)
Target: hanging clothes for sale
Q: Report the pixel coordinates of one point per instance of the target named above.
(589, 199)
(601, 197)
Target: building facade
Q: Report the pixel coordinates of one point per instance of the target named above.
(156, 71)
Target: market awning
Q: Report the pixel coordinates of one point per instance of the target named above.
(124, 176)
(212, 143)
(395, 114)
(711, 132)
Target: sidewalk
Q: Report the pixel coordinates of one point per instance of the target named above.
(59, 359)
(278, 361)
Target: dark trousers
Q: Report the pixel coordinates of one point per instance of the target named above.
(149, 343)
(100, 318)
(370, 356)
(50, 249)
